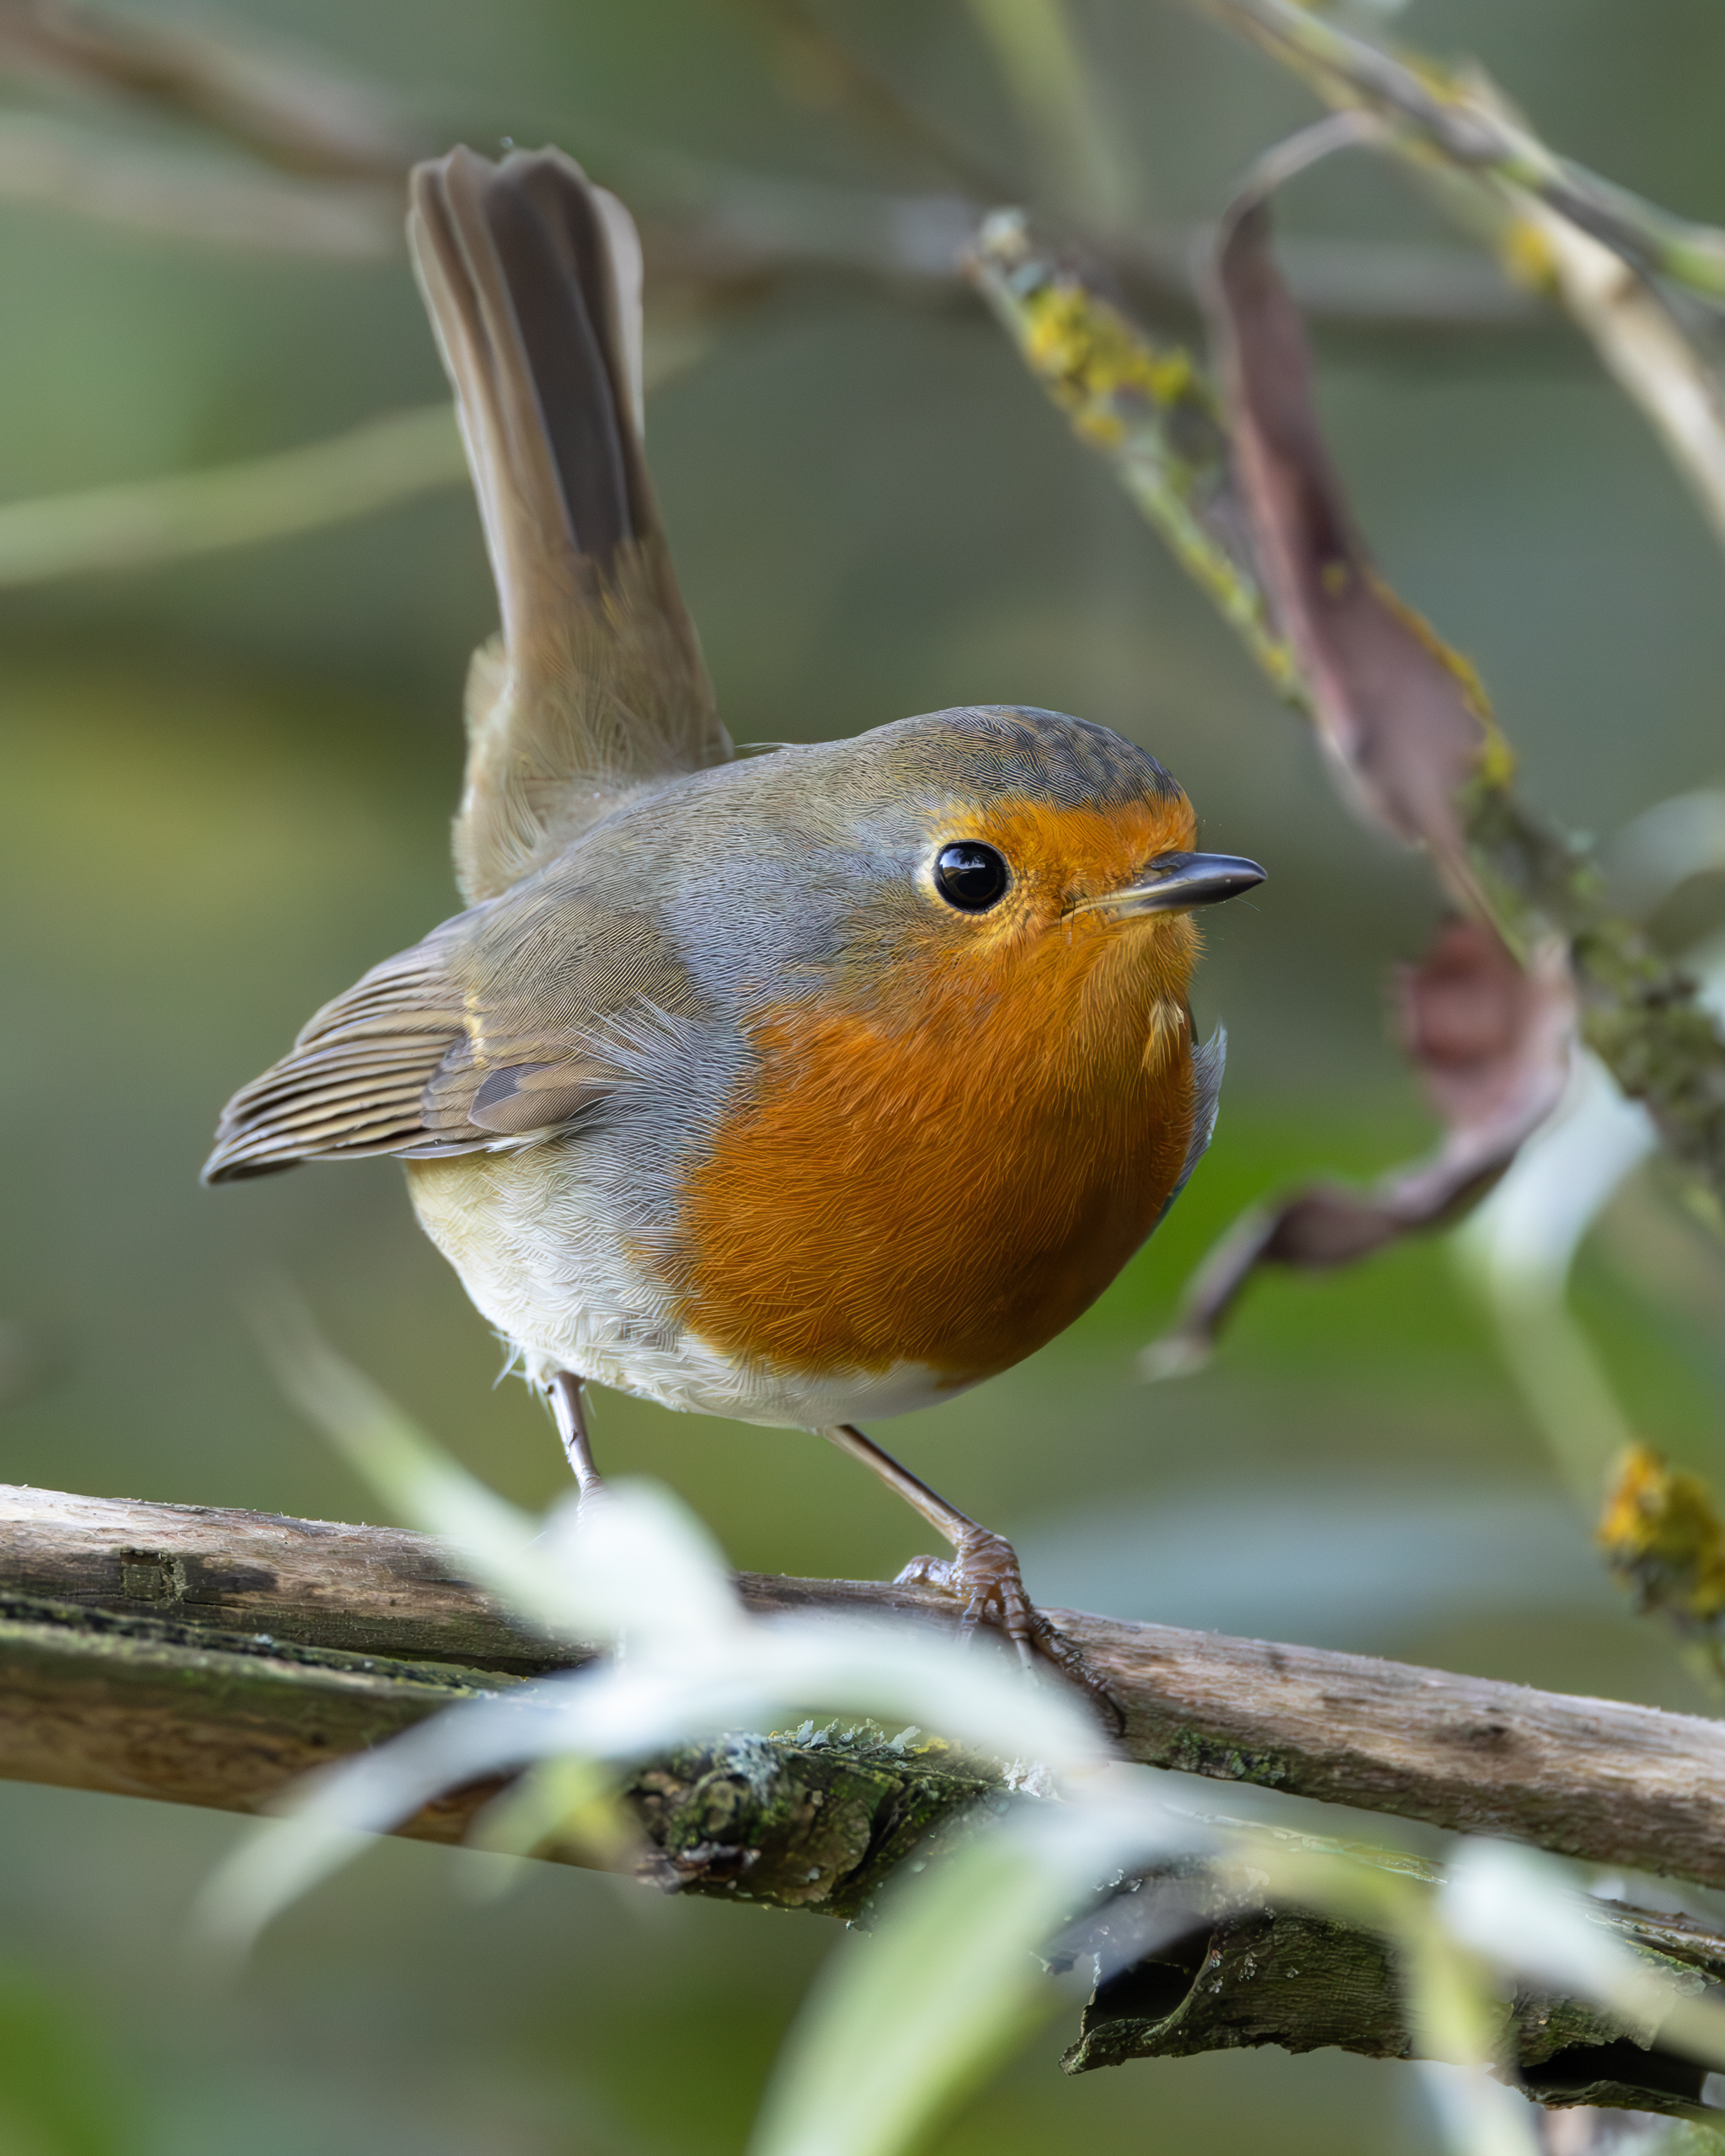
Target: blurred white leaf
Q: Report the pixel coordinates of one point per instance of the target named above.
(383, 1444)
(1520, 1910)
(1453, 2006)
(330, 1818)
(1527, 1231)
(1666, 844)
(1516, 1251)
(752, 1675)
(1518, 1248)
(642, 1564)
(903, 2023)
(562, 1799)
(1477, 2115)
(637, 1564)
(634, 1567)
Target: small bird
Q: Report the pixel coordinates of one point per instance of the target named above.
(797, 1088)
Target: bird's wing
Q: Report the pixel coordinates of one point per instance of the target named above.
(505, 1026)
(596, 686)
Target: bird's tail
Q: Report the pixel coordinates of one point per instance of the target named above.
(532, 277)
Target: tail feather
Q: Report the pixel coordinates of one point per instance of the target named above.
(533, 278)
(528, 300)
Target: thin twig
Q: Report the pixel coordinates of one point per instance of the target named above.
(307, 117)
(1439, 113)
(374, 466)
(210, 199)
(819, 69)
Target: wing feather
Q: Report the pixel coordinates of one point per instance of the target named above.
(485, 1035)
(351, 1083)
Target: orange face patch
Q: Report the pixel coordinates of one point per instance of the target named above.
(1061, 857)
(945, 1166)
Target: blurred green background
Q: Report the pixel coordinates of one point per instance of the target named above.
(224, 792)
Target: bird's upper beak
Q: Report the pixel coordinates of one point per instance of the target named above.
(1175, 882)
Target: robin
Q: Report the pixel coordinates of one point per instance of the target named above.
(801, 1088)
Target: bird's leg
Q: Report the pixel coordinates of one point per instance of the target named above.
(564, 1393)
(983, 1571)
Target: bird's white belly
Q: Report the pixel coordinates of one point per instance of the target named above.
(543, 1257)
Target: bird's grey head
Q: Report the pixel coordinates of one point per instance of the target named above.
(848, 858)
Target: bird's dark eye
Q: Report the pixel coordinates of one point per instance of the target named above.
(971, 877)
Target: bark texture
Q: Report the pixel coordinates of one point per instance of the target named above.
(212, 1657)
(1596, 1779)
(1259, 1976)
(145, 1706)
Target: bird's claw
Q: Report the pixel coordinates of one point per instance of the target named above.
(983, 1573)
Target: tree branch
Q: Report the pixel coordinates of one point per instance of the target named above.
(1594, 1779)
(149, 1706)
(212, 1657)
(1255, 1976)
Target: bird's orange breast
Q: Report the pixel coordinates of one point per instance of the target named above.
(948, 1175)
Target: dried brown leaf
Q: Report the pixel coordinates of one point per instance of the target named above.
(1402, 717)
(1408, 731)
(1491, 1041)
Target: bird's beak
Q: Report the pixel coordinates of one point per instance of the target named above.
(1176, 882)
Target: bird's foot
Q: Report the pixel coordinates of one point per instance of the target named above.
(983, 1574)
